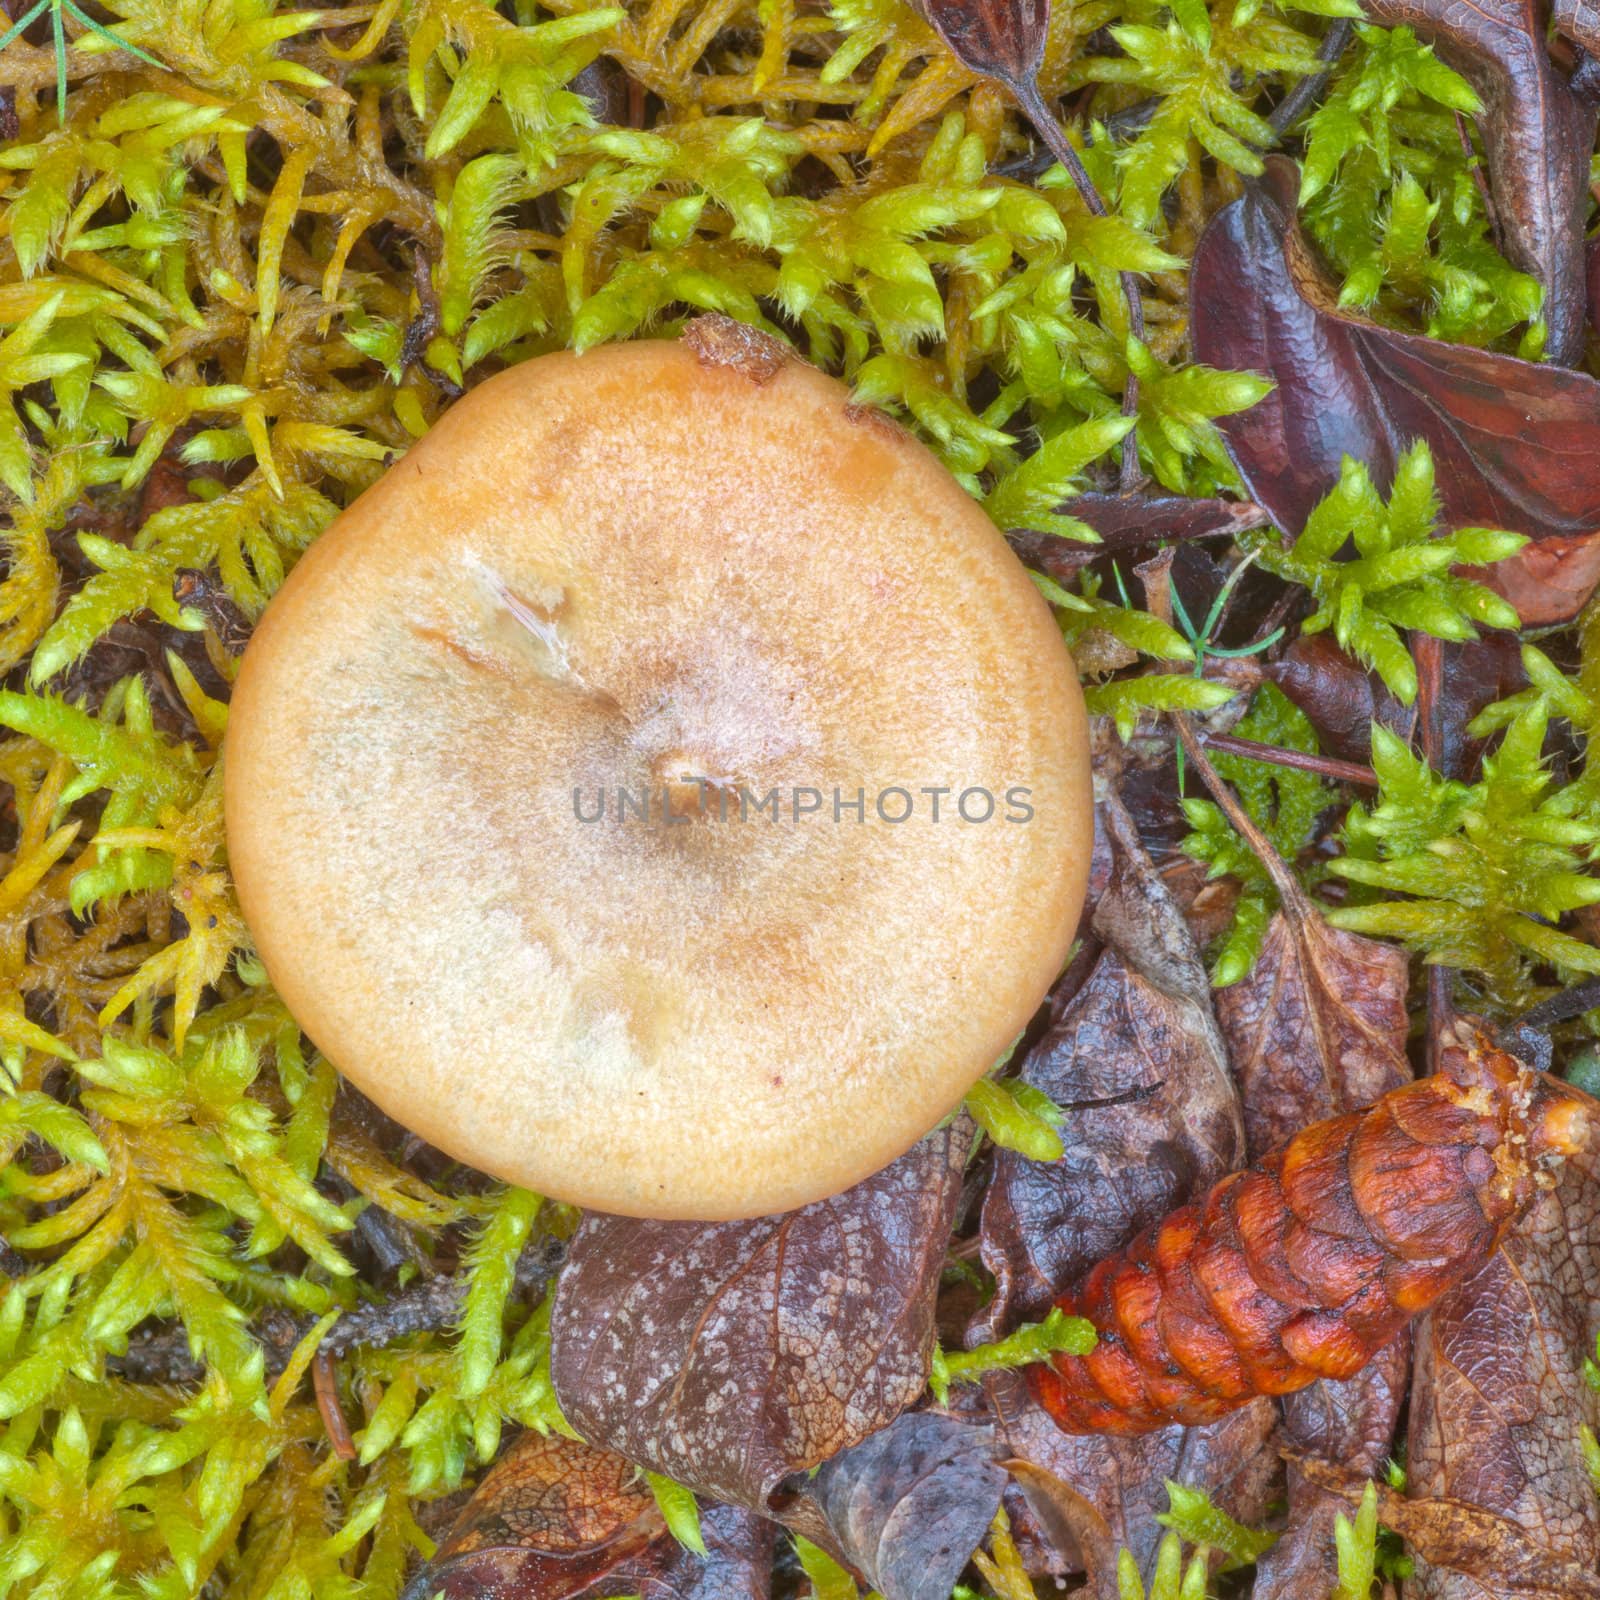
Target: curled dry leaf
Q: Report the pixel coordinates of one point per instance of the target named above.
(1136, 1056)
(1499, 1395)
(556, 1520)
(1538, 133)
(1318, 1028)
(1466, 1540)
(1514, 441)
(906, 1507)
(729, 1355)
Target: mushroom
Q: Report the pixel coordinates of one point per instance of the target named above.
(663, 789)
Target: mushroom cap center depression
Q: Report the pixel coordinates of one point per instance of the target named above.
(544, 779)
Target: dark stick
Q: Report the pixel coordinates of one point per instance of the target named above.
(1481, 183)
(1563, 1007)
(1293, 106)
(1428, 653)
(1300, 760)
(1043, 119)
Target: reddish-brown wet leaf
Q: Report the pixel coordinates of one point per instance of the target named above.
(729, 1355)
(906, 1507)
(1514, 441)
(1138, 1060)
(556, 1520)
(1499, 1396)
(1318, 1027)
(1342, 699)
(1537, 133)
(1468, 1542)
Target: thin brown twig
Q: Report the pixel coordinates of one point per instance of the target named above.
(325, 1380)
(1301, 760)
(1290, 894)
(1033, 107)
(1428, 653)
(1481, 183)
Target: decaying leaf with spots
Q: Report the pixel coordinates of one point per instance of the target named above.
(555, 1519)
(1137, 1058)
(728, 1355)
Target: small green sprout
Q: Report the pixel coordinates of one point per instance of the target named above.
(1193, 1517)
(1170, 1581)
(679, 1510)
(1033, 1341)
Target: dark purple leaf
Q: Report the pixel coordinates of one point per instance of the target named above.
(729, 1355)
(1342, 699)
(906, 1507)
(1514, 442)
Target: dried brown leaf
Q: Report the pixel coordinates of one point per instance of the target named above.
(729, 1355)
(1138, 1059)
(1097, 1495)
(1464, 1540)
(1317, 1028)
(555, 1519)
(1500, 1394)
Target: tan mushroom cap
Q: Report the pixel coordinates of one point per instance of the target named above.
(602, 573)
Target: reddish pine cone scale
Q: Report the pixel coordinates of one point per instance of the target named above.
(1306, 1264)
